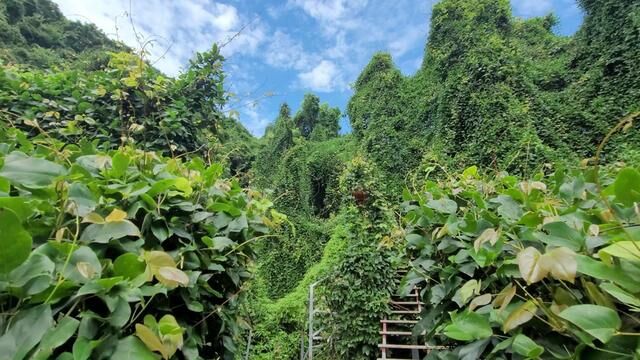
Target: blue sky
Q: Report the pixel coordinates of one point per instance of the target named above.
(287, 48)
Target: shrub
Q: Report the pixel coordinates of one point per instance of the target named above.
(120, 254)
(546, 267)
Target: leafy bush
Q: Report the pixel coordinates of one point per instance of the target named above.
(546, 267)
(126, 102)
(121, 254)
(278, 324)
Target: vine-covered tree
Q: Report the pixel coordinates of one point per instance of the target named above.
(307, 117)
(606, 71)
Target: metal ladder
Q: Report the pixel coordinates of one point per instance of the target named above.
(405, 314)
(313, 335)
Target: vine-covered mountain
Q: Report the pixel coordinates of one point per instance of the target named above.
(34, 32)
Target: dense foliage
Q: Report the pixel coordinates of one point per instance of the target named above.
(126, 102)
(487, 75)
(546, 267)
(95, 242)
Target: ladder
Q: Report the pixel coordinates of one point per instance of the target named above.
(397, 337)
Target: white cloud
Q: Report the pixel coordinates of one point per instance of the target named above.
(176, 29)
(325, 77)
(332, 15)
(330, 10)
(285, 52)
(529, 8)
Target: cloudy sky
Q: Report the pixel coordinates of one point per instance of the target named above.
(287, 47)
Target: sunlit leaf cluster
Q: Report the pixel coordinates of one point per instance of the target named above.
(122, 254)
(546, 267)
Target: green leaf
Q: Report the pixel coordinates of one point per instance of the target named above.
(26, 330)
(179, 183)
(120, 163)
(598, 321)
(220, 243)
(160, 231)
(627, 186)
(444, 205)
(34, 275)
(466, 292)
(560, 234)
(94, 163)
(620, 294)
(508, 208)
(83, 347)
(130, 348)
(238, 224)
(30, 172)
(523, 345)
(99, 286)
(56, 337)
(416, 240)
(102, 233)
(18, 205)
(613, 273)
(82, 200)
(15, 241)
(83, 255)
(519, 316)
(468, 326)
(128, 266)
(629, 250)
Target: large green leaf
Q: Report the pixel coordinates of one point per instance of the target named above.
(102, 233)
(520, 315)
(560, 234)
(444, 205)
(523, 345)
(468, 326)
(56, 337)
(130, 348)
(15, 241)
(622, 295)
(25, 332)
(18, 205)
(602, 271)
(598, 321)
(82, 200)
(31, 172)
(83, 266)
(34, 275)
(128, 266)
(627, 186)
(629, 250)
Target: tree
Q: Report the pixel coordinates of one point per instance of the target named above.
(307, 117)
(328, 123)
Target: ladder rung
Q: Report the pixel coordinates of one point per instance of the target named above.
(406, 302)
(398, 321)
(400, 346)
(405, 312)
(400, 333)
